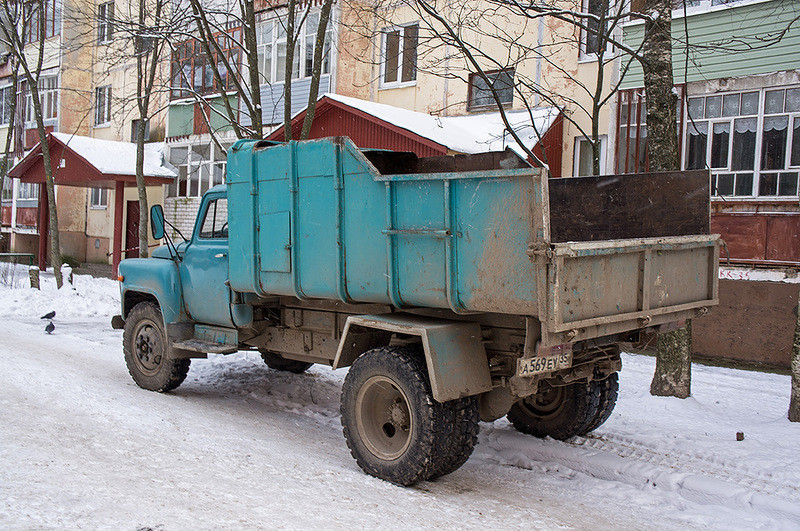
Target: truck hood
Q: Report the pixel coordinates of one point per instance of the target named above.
(163, 251)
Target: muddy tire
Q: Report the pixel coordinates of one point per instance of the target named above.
(557, 412)
(608, 389)
(394, 428)
(150, 359)
(279, 363)
(464, 435)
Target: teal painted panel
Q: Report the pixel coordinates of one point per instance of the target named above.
(431, 240)
(273, 241)
(749, 24)
(180, 120)
(419, 205)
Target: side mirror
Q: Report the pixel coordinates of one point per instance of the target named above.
(157, 221)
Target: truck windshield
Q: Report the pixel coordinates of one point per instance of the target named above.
(215, 222)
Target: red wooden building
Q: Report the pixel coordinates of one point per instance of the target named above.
(90, 163)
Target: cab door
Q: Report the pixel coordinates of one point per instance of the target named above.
(204, 269)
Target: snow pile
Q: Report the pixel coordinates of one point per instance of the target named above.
(239, 445)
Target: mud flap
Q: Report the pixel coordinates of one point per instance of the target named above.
(454, 354)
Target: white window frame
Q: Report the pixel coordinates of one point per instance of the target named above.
(27, 191)
(105, 22)
(102, 106)
(576, 154)
(271, 34)
(383, 84)
(5, 105)
(757, 171)
(98, 198)
(194, 168)
(48, 96)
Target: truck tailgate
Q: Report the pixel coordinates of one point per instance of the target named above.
(601, 287)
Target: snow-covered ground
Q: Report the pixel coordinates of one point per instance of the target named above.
(241, 446)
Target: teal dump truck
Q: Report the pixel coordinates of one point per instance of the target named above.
(456, 289)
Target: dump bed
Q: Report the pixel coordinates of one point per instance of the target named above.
(482, 233)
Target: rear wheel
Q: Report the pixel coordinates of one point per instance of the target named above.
(465, 414)
(279, 363)
(394, 428)
(608, 388)
(557, 412)
(150, 358)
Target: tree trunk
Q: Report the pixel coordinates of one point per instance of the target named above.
(794, 402)
(673, 374)
(319, 48)
(291, 38)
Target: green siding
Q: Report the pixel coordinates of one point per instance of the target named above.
(181, 117)
(748, 24)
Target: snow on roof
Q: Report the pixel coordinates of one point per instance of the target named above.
(476, 133)
(118, 158)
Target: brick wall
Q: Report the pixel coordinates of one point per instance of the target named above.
(181, 212)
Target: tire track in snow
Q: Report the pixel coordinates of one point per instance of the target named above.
(699, 479)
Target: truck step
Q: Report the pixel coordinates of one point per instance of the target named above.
(209, 347)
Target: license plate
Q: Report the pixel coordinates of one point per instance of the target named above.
(540, 364)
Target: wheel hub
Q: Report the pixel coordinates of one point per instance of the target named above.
(147, 347)
(383, 418)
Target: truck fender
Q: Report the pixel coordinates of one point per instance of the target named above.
(454, 354)
(152, 279)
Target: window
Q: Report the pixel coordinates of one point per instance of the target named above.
(215, 222)
(632, 137)
(28, 191)
(593, 35)
(480, 93)
(8, 189)
(135, 130)
(200, 166)
(48, 96)
(99, 198)
(399, 55)
(6, 104)
(105, 22)
(192, 71)
(750, 141)
(102, 105)
(584, 157)
(271, 38)
(52, 20)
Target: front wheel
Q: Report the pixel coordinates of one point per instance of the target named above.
(394, 428)
(149, 356)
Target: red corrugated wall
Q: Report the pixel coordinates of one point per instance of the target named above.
(332, 120)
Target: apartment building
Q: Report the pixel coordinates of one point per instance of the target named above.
(87, 87)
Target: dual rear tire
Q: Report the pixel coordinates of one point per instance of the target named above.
(566, 411)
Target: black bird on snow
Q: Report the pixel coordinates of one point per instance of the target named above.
(49, 315)
(50, 327)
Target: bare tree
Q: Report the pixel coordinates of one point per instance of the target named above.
(486, 37)
(673, 374)
(214, 18)
(24, 17)
(794, 402)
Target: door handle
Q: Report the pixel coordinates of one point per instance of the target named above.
(221, 255)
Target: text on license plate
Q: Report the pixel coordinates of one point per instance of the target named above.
(540, 364)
